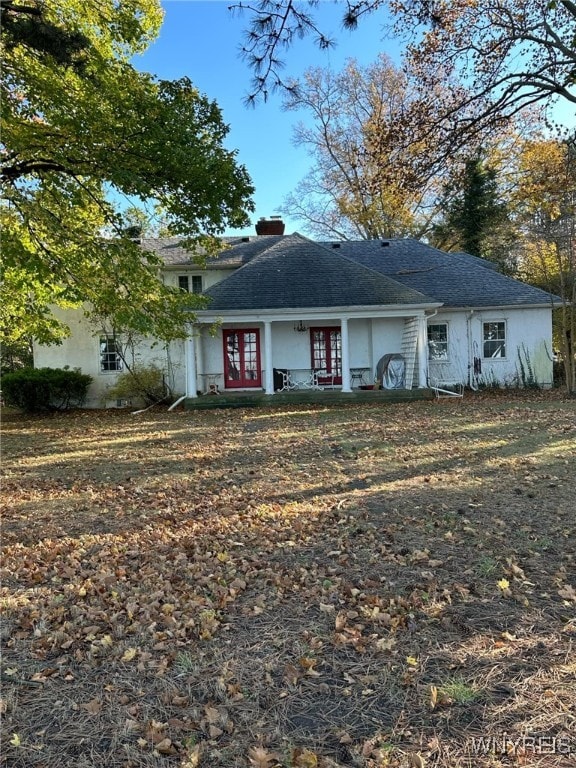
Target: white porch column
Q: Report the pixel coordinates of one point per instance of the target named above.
(422, 352)
(269, 380)
(345, 355)
(199, 348)
(190, 359)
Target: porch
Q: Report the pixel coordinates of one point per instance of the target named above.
(302, 353)
(259, 399)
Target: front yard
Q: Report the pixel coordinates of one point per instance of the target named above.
(303, 586)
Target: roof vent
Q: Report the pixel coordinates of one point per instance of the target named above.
(245, 240)
(335, 245)
(272, 226)
(385, 243)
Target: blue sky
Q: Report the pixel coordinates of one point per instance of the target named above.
(201, 40)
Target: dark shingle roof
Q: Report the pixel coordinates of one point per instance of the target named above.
(240, 250)
(295, 272)
(457, 280)
(291, 271)
(477, 260)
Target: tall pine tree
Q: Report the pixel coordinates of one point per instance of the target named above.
(475, 217)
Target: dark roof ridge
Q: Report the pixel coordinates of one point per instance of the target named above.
(331, 250)
(297, 236)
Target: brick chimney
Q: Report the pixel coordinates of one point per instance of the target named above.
(272, 226)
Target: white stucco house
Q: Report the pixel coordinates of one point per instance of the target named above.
(286, 312)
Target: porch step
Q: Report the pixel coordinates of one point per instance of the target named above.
(305, 397)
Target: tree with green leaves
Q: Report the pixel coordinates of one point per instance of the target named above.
(475, 217)
(83, 131)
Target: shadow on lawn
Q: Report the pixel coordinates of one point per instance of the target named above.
(373, 563)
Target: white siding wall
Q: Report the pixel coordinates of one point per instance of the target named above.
(386, 338)
(82, 350)
(527, 331)
(528, 335)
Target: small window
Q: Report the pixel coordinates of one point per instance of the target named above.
(185, 280)
(438, 341)
(494, 339)
(110, 359)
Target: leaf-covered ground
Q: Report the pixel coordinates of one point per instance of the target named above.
(308, 587)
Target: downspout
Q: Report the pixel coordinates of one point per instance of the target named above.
(425, 351)
(471, 374)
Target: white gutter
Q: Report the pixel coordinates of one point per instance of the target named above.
(433, 314)
(307, 314)
(471, 383)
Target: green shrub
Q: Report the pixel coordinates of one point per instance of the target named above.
(37, 389)
(141, 381)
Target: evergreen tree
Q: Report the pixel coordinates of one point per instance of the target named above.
(476, 219)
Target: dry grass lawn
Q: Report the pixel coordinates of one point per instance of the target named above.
(303, 587)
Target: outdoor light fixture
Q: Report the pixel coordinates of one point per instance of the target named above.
(300, 327)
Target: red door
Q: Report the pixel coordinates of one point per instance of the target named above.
(242, 358)
(326, 347)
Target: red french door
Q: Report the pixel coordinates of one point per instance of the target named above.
(326, 347)
(242, 358)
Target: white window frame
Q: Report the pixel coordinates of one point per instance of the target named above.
(445, 344)
(110, 359)
(503, 341)
(191, 283)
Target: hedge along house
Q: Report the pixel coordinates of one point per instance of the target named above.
(285, 312)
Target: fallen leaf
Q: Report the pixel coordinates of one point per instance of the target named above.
(165, 747)
(192, 759)
(129, 654)
(416, 760)
(567, 592)
(93, 707)
(212, 714)
(259, 757)
(515, 571)
(304, 759)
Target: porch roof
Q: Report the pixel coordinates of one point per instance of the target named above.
(295, 272)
